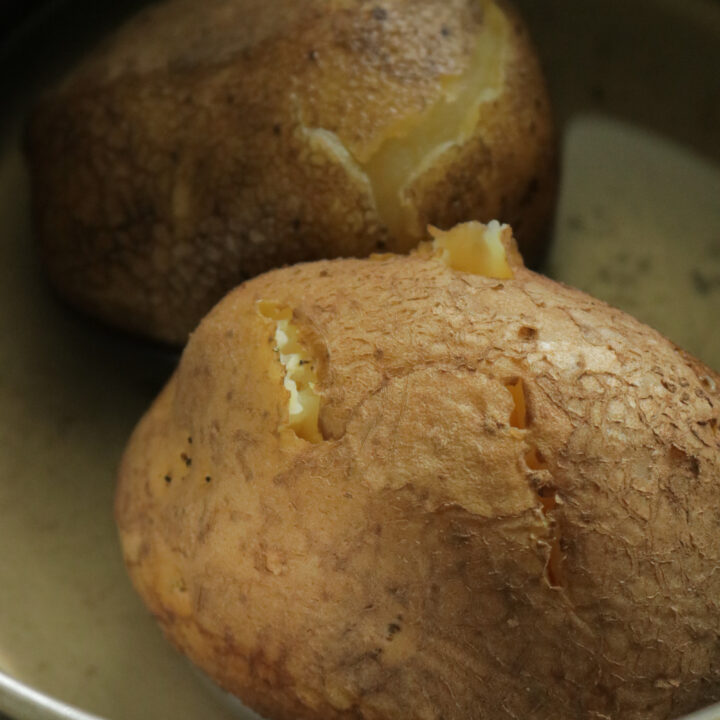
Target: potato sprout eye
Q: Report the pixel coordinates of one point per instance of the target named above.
(474, 248)
(300, 376)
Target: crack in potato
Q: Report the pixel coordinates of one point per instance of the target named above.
(326, 142)
(413, 144)
(518, 416)
(300, 377)
(546, 493)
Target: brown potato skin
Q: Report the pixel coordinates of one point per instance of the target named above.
(171, 164)
(399, 568)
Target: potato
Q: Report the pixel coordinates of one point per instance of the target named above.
(205, 143)
(433, 486)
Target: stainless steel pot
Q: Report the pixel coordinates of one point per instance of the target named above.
(636, 85)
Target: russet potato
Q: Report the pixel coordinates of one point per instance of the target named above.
(433, 486)
(204, 143)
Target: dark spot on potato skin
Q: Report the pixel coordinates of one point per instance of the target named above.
(392, 630)
(379, 13)
(682, 458)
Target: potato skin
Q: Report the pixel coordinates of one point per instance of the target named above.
(401, 567)
(179, 160)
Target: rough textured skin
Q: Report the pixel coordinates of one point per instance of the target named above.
(182, 157)
(403, 567)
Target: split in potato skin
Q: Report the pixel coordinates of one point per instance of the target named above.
(513, 506)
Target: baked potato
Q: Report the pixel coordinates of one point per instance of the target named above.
(433, 486)
(204, 143)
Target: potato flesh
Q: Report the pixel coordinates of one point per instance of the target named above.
(518, 417)
(300, 377)
(414, 143)
(474, 248)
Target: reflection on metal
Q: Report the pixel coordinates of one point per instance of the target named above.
(24, 703)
